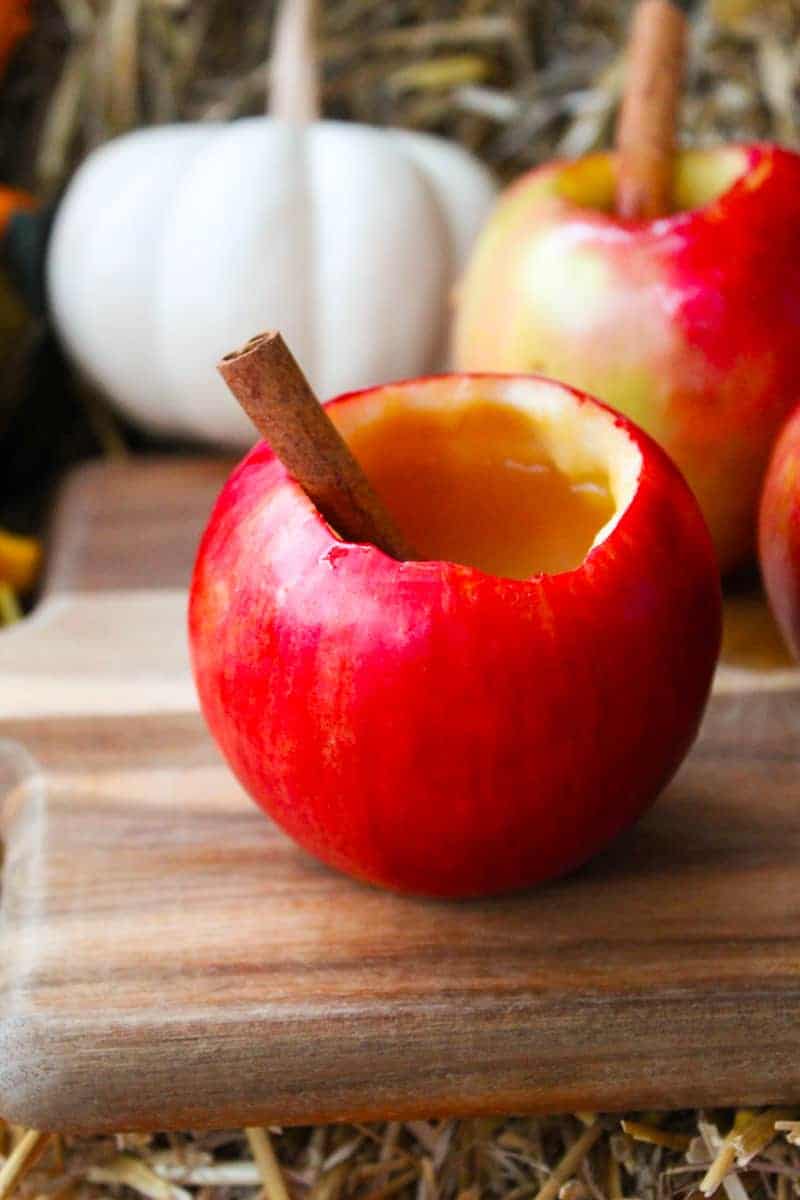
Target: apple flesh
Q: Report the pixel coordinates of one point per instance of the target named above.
(488, 718)
(689, 324)
(779, 533)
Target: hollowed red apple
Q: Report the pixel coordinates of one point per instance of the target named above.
(779, 533)
(689, 324)
(490, 717)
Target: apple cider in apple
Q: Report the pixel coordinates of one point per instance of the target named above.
(474, 485)
(443, 730)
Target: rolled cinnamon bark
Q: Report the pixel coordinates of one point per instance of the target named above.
(271, 388)
(645, 136)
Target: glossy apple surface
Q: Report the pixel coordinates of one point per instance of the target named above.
(452, 729)
(779, 533)
(689, 324)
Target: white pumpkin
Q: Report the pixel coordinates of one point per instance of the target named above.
(175, 244)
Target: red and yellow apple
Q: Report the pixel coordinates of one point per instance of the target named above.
(489, 717)
(689, 324)
(779, 532)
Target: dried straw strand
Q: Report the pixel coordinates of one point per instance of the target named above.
(268, 1167)
(21, 1160)
(570, 1162)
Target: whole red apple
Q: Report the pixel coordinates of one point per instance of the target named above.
(779, 532)
(489, 717)
(689, 324)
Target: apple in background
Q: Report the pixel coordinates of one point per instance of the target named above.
(494, 715)
(779, 532)
(689, 324)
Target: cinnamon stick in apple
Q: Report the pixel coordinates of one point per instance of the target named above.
(273, 391)
(645, 135)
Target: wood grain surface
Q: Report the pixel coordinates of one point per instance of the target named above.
(109, 632)
(170, 960)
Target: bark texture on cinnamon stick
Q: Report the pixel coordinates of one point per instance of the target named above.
(645, 136)
(272, 389)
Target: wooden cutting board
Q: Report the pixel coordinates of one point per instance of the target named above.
(170, 960)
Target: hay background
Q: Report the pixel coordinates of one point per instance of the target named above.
(516, 81)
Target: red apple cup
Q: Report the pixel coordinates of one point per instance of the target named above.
(779, 533)
(688, 323)
(448, 729)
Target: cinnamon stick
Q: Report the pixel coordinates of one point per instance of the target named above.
(645, 136)
(273, 391)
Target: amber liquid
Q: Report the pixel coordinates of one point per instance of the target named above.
(475, 487)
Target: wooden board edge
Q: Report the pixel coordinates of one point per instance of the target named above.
(73, 1076)
(22, 794)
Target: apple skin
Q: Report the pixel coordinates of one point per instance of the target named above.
(689, 324)
(779, 532)
(438, 730)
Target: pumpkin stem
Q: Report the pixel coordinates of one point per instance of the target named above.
(645, 135)
(271, 388)
(294, 79)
